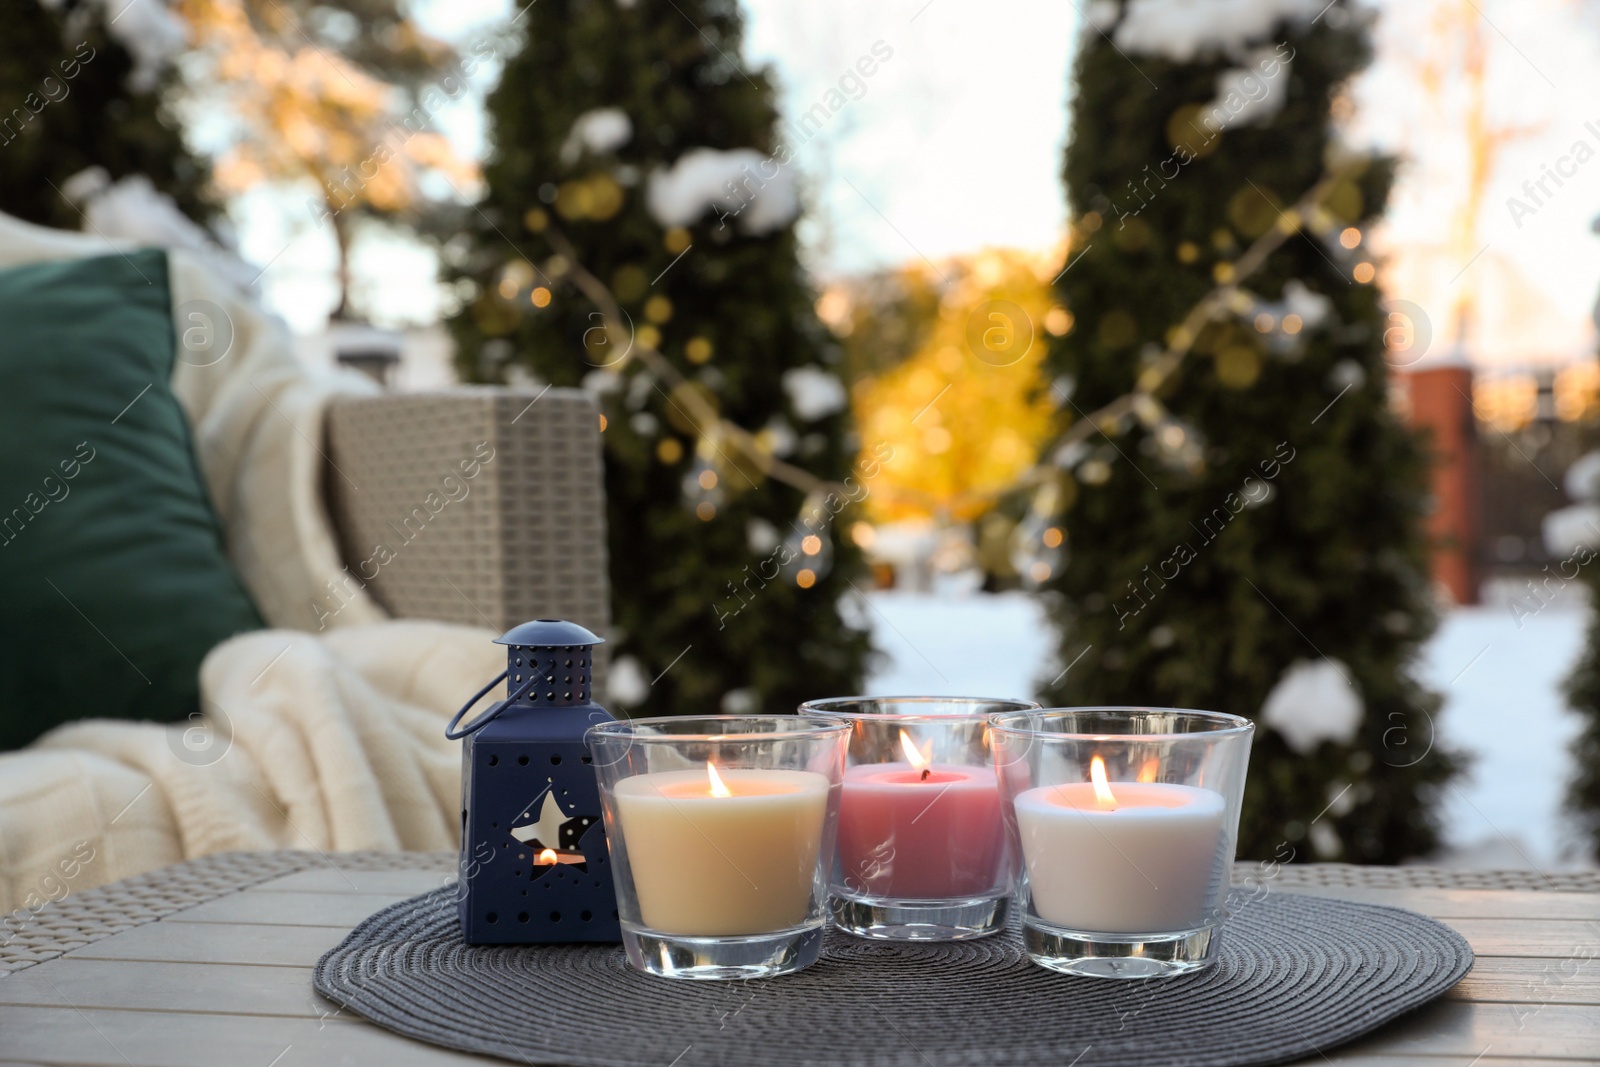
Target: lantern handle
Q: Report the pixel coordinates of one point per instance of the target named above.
(483, 720)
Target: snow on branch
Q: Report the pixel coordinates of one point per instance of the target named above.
(596, 132)
(1186, 30)
(738, 182)
(134, 211)
(1313, 702)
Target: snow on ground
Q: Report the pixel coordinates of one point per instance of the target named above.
(1504, 709)
(1501, 686)
(958, 646)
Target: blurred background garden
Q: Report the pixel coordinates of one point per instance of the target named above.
(1233, 354)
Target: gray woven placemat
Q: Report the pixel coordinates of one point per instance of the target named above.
(1297, 976)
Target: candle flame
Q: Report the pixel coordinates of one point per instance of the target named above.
(717, 788)
(1102, 789)
(919, 760)
(546, 857)
(1149, 770)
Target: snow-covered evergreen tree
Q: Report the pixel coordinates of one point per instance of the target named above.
(1249, 538)
(637, 132)
(81, 84)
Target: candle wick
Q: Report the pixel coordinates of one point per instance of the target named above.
(924, 774)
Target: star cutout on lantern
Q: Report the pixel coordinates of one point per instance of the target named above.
(555, 832)
(546, 829)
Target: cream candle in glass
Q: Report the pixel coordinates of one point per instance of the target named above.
(723, 854)
(1124, 821)
(720, 829)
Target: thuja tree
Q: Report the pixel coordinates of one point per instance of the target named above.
(73, 97)
(1583, 694)
(635, 132)
(1250, 538)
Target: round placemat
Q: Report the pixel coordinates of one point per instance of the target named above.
(1296, 976)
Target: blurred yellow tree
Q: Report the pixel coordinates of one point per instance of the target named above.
(339, 98)
(968, 411)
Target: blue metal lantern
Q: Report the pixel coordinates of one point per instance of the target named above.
(534, 863)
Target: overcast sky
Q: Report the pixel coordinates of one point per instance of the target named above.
(956, 142)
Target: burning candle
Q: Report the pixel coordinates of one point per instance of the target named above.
(721, 830)
(920, 830)
(727, 852)
(549, 857)
(922, 853)
(1129, 857)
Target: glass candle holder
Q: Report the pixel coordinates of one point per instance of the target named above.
(721, 829)
(922, 853)
(1124, 821)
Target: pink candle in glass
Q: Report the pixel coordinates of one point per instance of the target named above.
(920, 831)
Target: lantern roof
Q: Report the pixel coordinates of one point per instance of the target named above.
(548, 633)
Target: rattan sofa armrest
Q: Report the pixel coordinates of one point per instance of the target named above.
(478, 505)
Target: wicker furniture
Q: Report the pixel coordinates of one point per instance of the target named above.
(528, 538)
(210, 961)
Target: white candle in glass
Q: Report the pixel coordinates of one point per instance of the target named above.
(1124, 858)
(718, 853)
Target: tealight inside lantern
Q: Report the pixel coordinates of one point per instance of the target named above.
(554, 827)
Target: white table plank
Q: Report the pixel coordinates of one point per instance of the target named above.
(136, 985)
(165, 1039)
(1452, 1027)
(1343, 1058)
(1469, 903)
(385, 883)
(289, 908)
(1508, 979)
(177, 942)
(1552, 939)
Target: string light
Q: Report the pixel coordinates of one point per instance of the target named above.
(1038, 542)
(1071, 453)
(702, 488)
(658, 309)
(807, 553)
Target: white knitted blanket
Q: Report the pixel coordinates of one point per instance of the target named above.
(319, 741)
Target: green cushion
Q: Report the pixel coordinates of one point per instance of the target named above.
(113, 580)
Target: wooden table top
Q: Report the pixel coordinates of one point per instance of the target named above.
(228, 979)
